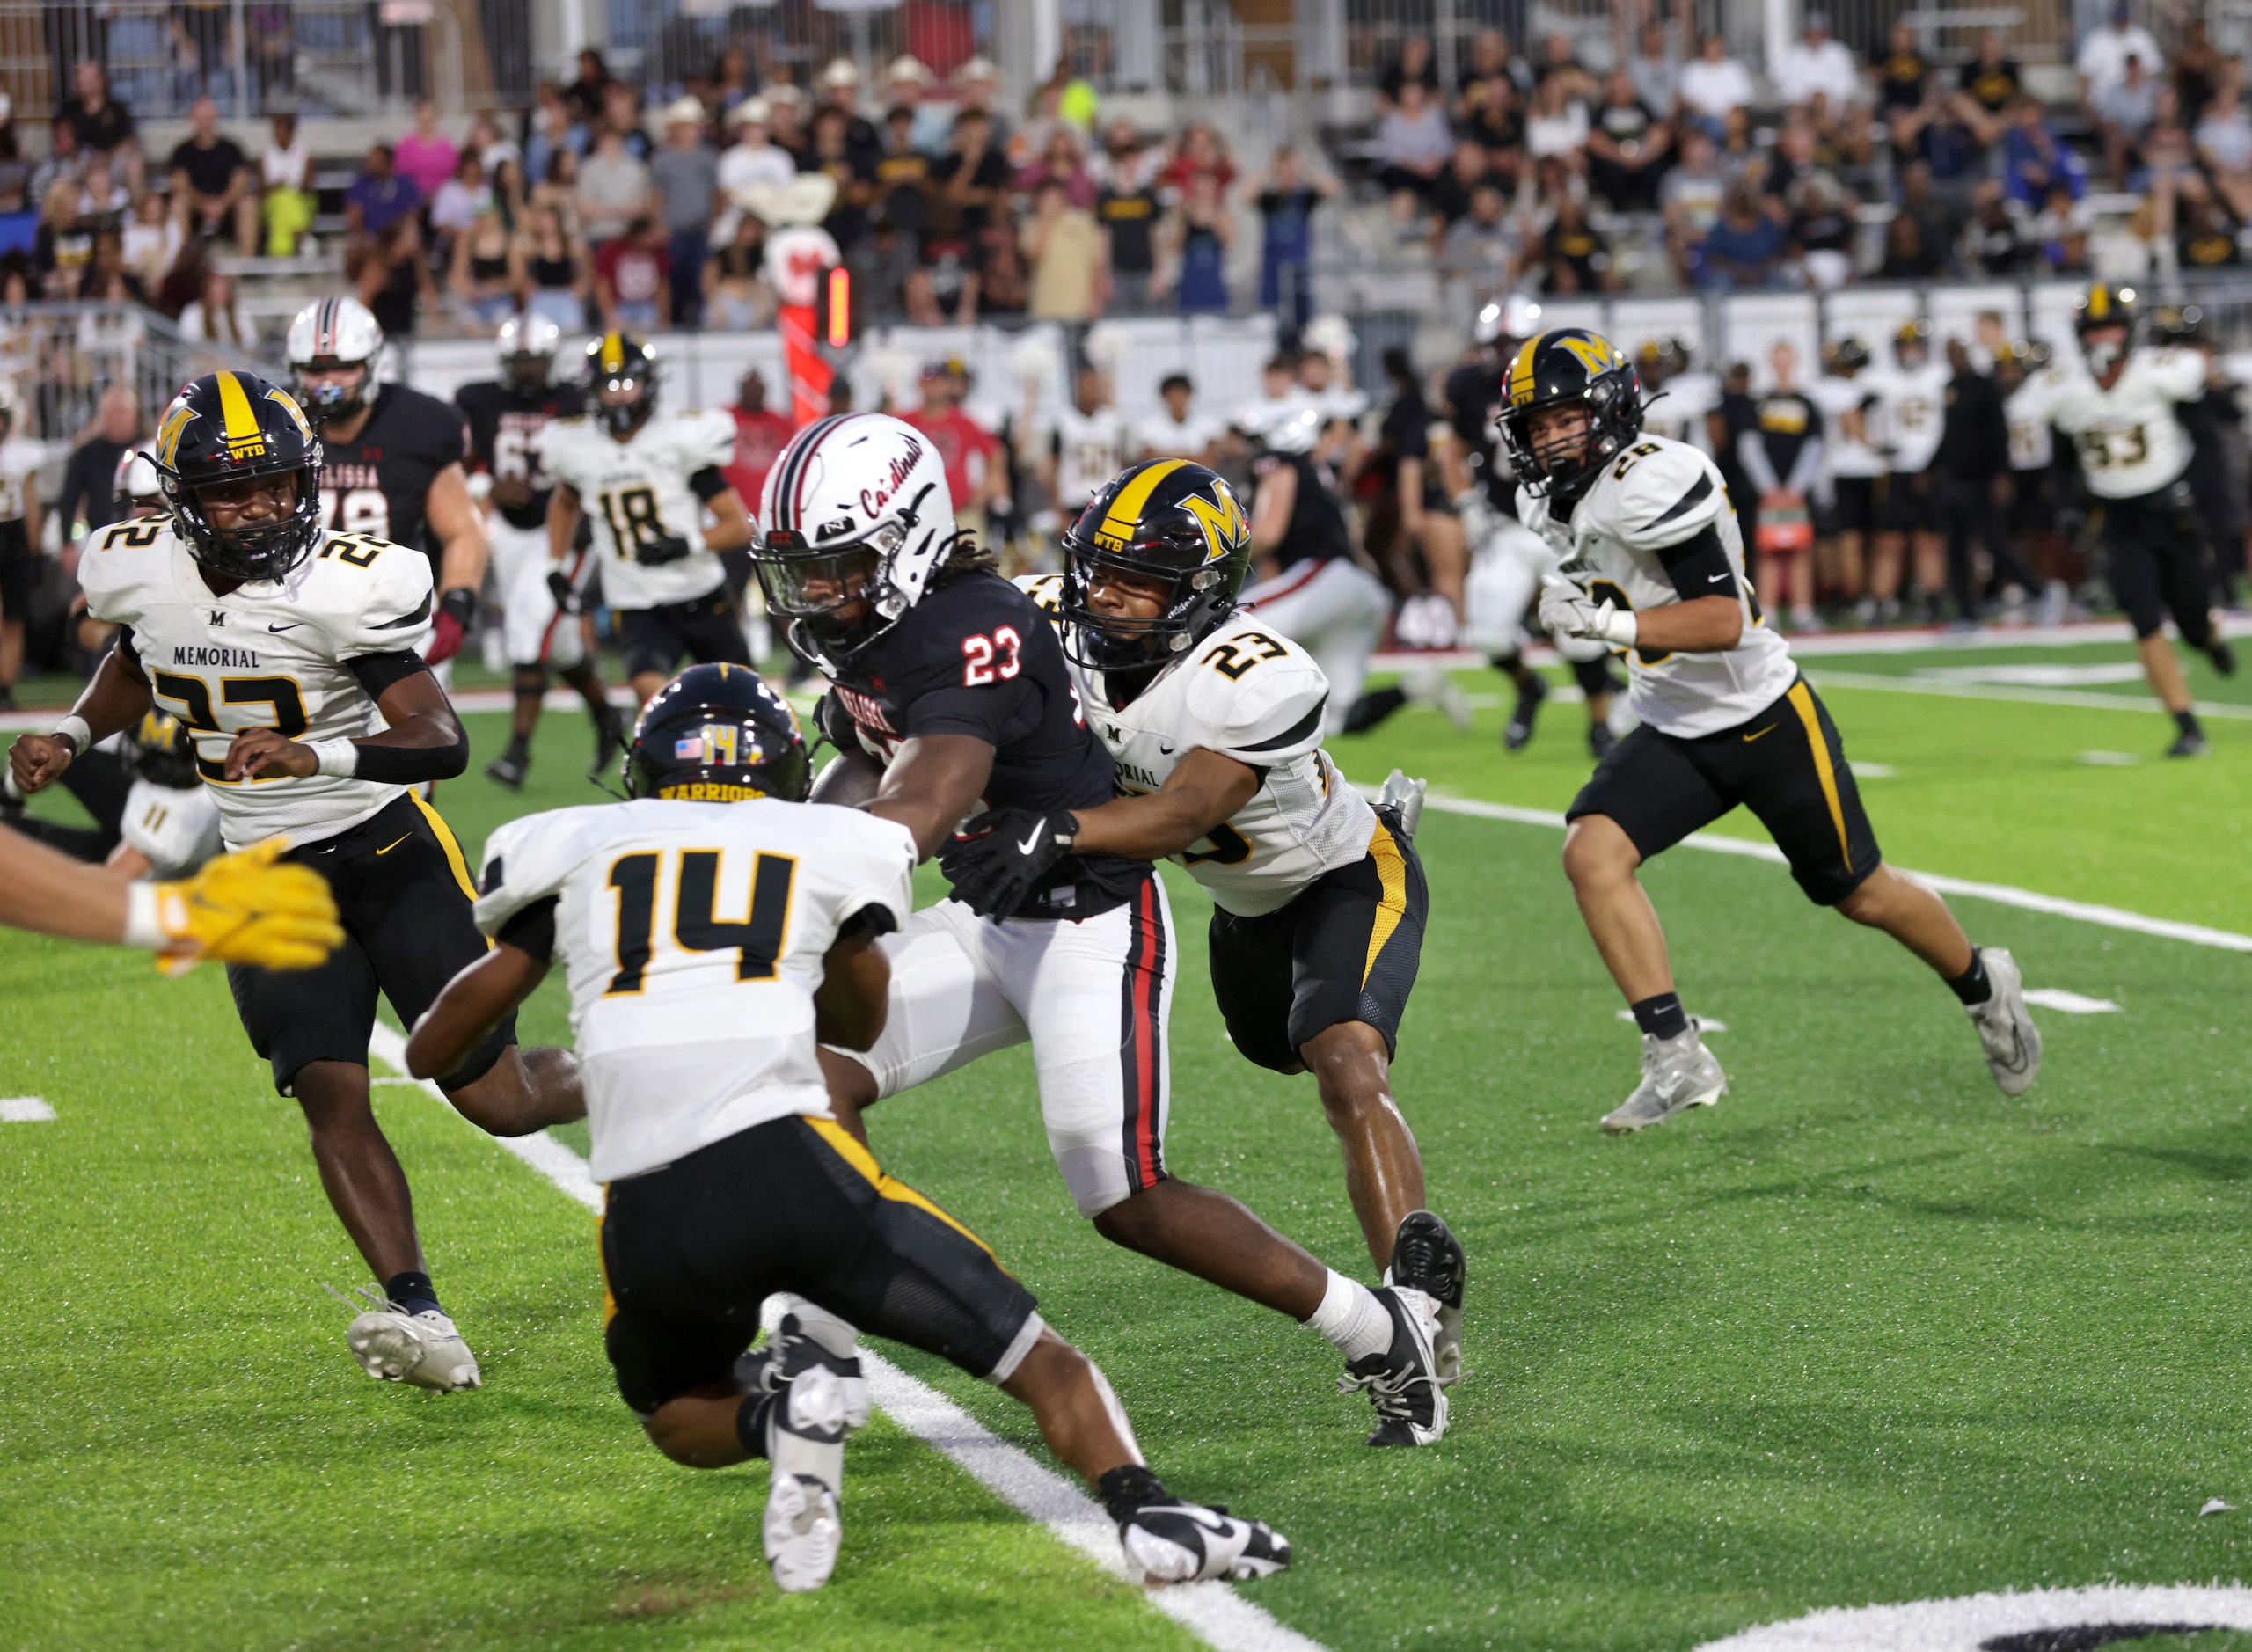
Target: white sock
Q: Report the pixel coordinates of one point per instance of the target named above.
(1351, 1319)
(824, 1327)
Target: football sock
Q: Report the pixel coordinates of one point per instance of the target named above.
(1373, 707)
(1130, 1487)
(750, 1424)
(1972, 986)
(413, 1292)
(1351, 1319)
(2187, 722)
(1662, 1016)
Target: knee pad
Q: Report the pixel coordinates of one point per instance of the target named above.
(528, 681)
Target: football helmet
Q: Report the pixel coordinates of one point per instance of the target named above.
(716, 733)
(162, 751)
(856, 515)
(1913, 336)
(1846, 355)
(2178, 323)
(527, 345)
(1167, 520)
(1568, 367)
(618, 361)
(225, 427)
(2105, 305)
(336, 333)
(139, 490)
(1660, 358)
(1504, 319)
(1295, 429)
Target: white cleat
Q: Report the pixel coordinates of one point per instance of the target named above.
(1677, 1073)
(424, 1348)
(2006, 1028)
(805, 1439)
(775, 1364)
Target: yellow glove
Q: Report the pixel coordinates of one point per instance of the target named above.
(243, 908)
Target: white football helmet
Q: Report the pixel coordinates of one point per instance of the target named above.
(1298, 430)
(140, 491)
(527, 346)
(856, 517)
(336, 332)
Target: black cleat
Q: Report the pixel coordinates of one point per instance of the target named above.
(1402, 1382)
(1427, 1257)
(509, 769)
(1519, 734)
(608, 741)
(1599, 740)
(2222, 655)
(2190, 742)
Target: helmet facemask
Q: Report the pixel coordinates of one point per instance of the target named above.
(249, 552)
(527, 372)
(622, 418)
(331, 403)
(814, 586)
(1113, 642)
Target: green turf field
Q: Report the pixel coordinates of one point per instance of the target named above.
(1864, 1332)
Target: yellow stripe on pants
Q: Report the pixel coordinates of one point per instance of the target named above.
(448, 841)
(1801, 699)
(849, 1149)
(1392, 873)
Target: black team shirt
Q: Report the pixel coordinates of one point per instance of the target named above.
(505, 423)
(378, 482)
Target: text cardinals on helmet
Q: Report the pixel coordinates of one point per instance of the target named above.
(856, 517)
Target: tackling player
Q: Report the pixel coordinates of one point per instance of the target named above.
(1657, 567)
(2119, 407)
(393, 465)
(645, 480)
(287, 649)
(507, 420)
(727, 1176)
(951, 682)
(1319, 901)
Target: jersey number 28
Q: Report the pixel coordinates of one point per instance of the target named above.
(757, 937)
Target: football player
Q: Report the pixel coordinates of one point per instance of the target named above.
(2117, 404)
(508, 418)
(1656, 566)
(1091, 443)
(950, 687)
(288, 650)
(393, 466)
(645, 481)
(1319, 901)
(1911, 413)
(152, 811)
(727, 1179)
(1847, 406)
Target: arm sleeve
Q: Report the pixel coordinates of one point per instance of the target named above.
(526, 861)
(377, 672)
(531, 928)
(396, 607)
(1698, 567)
(128, 653)
(1751, 454)
(707, 484)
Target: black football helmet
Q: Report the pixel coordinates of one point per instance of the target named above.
(162, 751)
(1569, 366)
(1912, 335)
(225, 427)
(1167, 520)
(2104, 305)
(1846, 355)
(621, 362)
(716, 733)
(1660, 358)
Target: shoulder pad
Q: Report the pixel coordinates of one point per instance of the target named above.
(376, 595)
(1254, 696)
(1664, 496)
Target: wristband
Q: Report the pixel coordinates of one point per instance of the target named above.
(145, 924)
(1619, 626)
(339, 759)
(77, 730)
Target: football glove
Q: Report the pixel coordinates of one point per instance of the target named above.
(558, 587)
(247, 907)
(457, 613)
(665, 548)
(1566, 611)
(995, 859)
(835, 724)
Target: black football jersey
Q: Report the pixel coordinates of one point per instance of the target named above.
(976, 657)
(1317, 532)
(504, 426)
(1472, 391)
(375, 484)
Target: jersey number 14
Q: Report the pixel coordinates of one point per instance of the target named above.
(757, 937)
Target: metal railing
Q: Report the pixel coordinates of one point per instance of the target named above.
(667, 44)
(56, 360)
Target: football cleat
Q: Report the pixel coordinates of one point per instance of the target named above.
(1677, 1073)
(2190, 742)
(805, 1441)
(1434, 688)
(1599, 740)
(1518, 734)
(1427, 1257)
(2006, 1028)
(1404, 799)
(2222, 655)
(509, 769)
(1402, 1382)
(394, 1346)
(789, 1354)
(1188, 1542)
(609, 741)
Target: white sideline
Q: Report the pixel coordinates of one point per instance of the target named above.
(1214, 1612)
(1823, 677)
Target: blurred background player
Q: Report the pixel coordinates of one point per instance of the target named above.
(153, 815)
(1091, 443)
(391, 463)
(2119, 403)
(1911, 405)
(761, 433)
(1847, 405)
(1974, 488)
(1177, 430)
(21, 563)
(1676, 394)
(507, 420)
(2216, 427)
(2036, 492)
(645, 480)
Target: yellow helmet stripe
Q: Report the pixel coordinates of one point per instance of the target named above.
(241, 420)
(1521, 369)
(2099, 301)
(1126, 510)
(613, 351)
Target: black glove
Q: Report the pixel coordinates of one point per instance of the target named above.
(559, 584)
(654, 554)
(995, 859)
(835, 724)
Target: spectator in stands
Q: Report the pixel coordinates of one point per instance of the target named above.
(907, 85)
(1491, 118)
(1556, 125)
(100, 125)
(634, 277)
(1201, 151)
(586, 93)
(87, 501)
(1990, 80)
(1938, 136)
(1574, 256)
(2166, 149)
(552, 129)
(1059, 159)
(1909, 254)
(217, 317)
(211, 181)
(378, 197)
(786, 108)
(903, 177)
(460, 203)
(2101, 61)
(108, 281)
(1998, 239)
(482, 272)
(1197, 236)
(761, 434)
(1744, 250)
(425, 157)
(883, 262)
(1062, 246)
(509, 198)
(486, 142)
(2059, 229)
(1628, 147)
(754, 158)
(2124, 114)
(2206, 239)
(286, 204)
(1482, 248)
(735, 297)
(1816, 66)
(977, 85)
(64, 160)
(613, 191)
(1127, 207)
(830, 149)
(2034, 159)
(686, 177)
(1286, 198)
(1901, 73)
(389, 275)
(1820, 230)
(1491, 60)
(1560, 61)
(1713, 85)
(972, 177)
(103, 201)
(203, 49)
(1415, 65)
(1004, 282)
(62, 247)
(2197, 69)
(2223, 146)
(15, 168)
(840, 89)
(560, 189)
(1655, 69)
(1690, 197)
(152, 240)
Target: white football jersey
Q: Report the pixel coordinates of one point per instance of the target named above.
(1250, 694)
(1656, 494)
(636, 493)
(1911, 410)
(2032, 439)
(1677, 409)
(1161, 437)
(2131, 442)
(176, 827)
(19, 462)
(691, 937)
(1837, 396)
(1090, 449)
(273, 653)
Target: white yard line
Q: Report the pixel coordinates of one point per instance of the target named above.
(1823, 677)
(1214, 1612)
(26, 1110)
